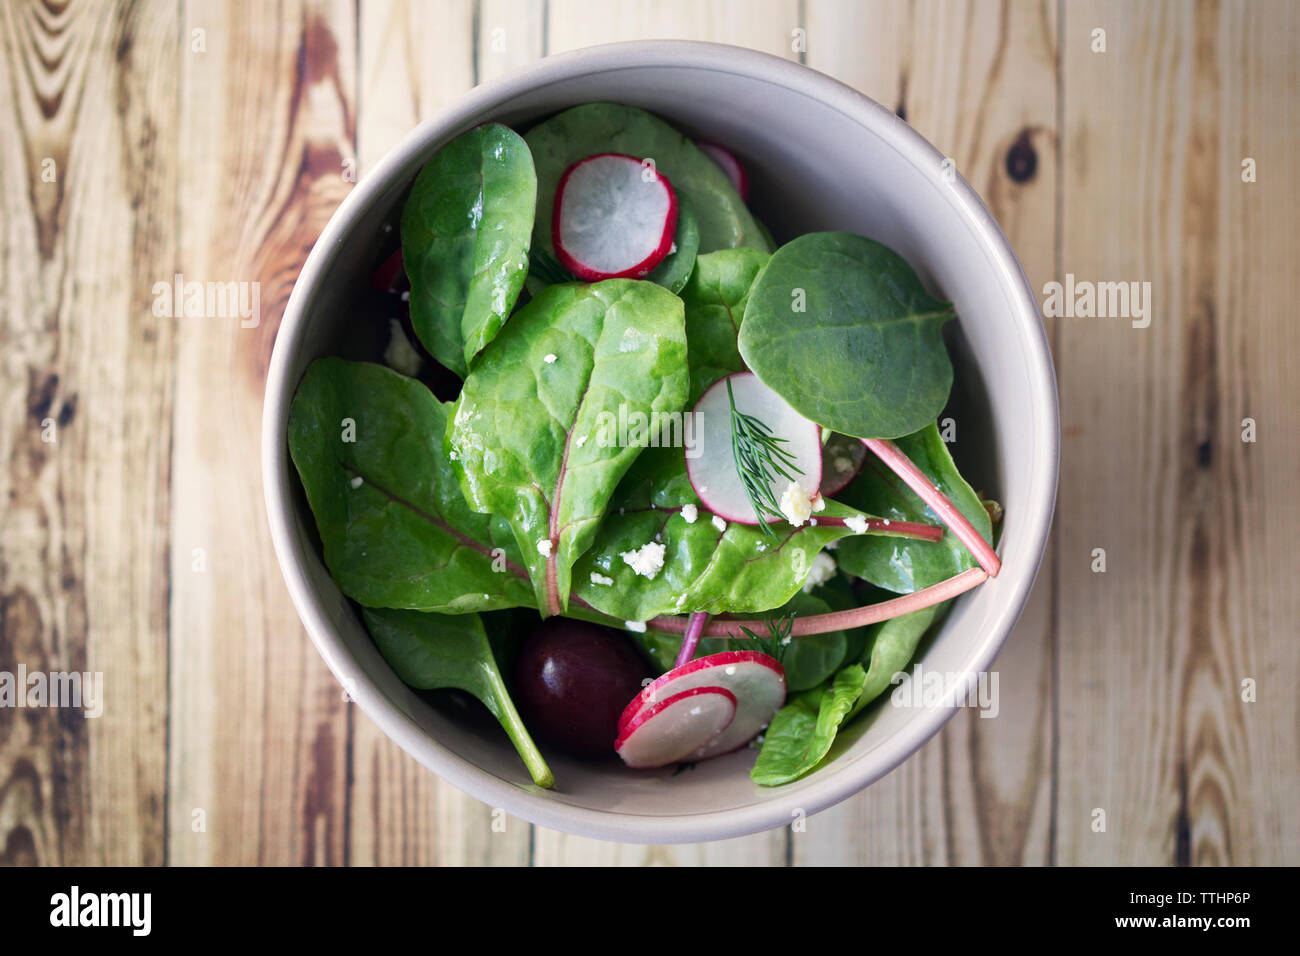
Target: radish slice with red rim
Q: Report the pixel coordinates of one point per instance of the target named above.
(713, 471)
(730, 165)
(757, 681)
(842, 459)
(676, 727)
(614, 217)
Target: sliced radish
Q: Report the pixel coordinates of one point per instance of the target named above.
(730, 165)
(676, 727)
(614, 217)
(842, 459)
(756, 680)
(713, 472)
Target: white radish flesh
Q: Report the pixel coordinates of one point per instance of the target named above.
(614, 217)
(756, 680)
(675, 727)
(713, 471)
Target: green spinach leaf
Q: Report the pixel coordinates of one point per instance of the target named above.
(841, 328)
(539, 441)
(903, 565)
(430, 652)
(593, 128)
(465, 234)
(395, 529)
(738, 569)
(802, 731)
(890, 647)
(715, 299)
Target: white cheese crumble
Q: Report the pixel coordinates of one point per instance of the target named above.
(598, 578)
(856, 524)
(796, 505)
(582, 441)
(638, 626)
(690, 513)
(719, 523)
(821, 571)
(549, 358)
(357, 482)
(544, 547)
(761, 546)
(646, 561)
(818, 503)
(399, 354)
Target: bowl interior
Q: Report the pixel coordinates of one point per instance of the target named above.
(820, 157)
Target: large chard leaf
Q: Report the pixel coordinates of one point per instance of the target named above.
(592, 128)
(430, 652)
(890, 647)
(739, 569)
(715, 299)
(802, 731)
(466, 230)
(901, 565)
(841, 328)
(396, 531)
(537, 440)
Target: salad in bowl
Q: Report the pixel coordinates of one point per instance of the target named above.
(600, 471)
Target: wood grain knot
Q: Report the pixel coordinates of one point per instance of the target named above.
(1022, 158)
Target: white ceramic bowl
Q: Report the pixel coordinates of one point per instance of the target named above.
(820, 156)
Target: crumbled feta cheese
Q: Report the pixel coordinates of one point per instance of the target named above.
(549, 358)
(544, 547)
(818, 503)
(796, 505)
(761, 546)
(399, 354)
(406, 296)
(856, 524)
(672, 248)
(357, 482)
(719, 523)
(638, 626)
(598, 578)
(690, 513)
(647, 561)
(582, 441)
(832, 545)
(821, 571)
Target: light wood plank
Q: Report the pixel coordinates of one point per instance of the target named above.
(88, 193)
(978, 80)
(765, 25)
(259, 735)
(1199, 527)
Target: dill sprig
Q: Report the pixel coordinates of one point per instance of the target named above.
(780, 632)
(760, 460)
(545, 267)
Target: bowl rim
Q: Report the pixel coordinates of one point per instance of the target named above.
(523, 801)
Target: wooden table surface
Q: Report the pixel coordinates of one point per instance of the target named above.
(141, 140)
